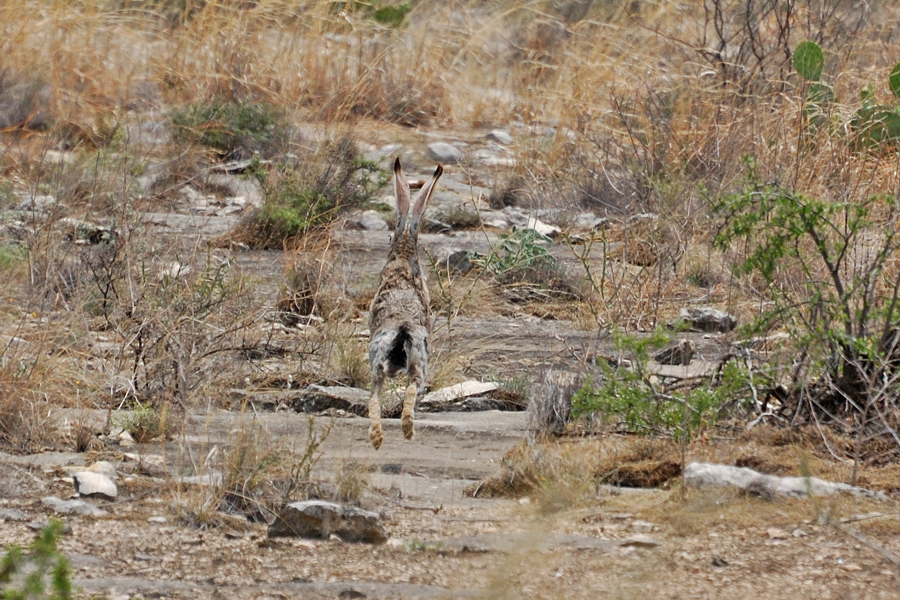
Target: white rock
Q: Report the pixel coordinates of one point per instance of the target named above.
(126, 440)
(89, 483)
(501, 136)
(551, 231)
(104, 468)
(713, 475)
(159, 519)
(444, 152)
(370, 220)
(460, 390)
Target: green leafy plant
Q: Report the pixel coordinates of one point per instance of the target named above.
(827, 270)
(809, 60)
(309, 193)
(39, 573)
(387, 15)
(518, 250)
(628, 396)
(874, 125)
(234, 130)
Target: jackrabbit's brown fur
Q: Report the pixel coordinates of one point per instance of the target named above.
(398, 318)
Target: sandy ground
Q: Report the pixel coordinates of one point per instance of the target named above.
(616, 543)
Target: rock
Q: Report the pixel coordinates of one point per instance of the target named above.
(158, 519)
(85, 232)
(205, 480)
(390, 149)
(590, 222)
(500, 136)
(40, 524)
(320, 519)
(713, 475)
(444, 152)
(89, 483)
(319, 398)
(41, 203)
(515, 216)
(642, 526)
(368, 220)
(238, 166)
(777, 534)
(640, 541)
(679, 354)
(12, 514)
(104, 467)
(435, 226)
(709, 320)
(235, 187)
(489, 158)
(545, 229)
(460, 390)
(68, 507)
(149, 464)
(126, 440)
(458, 261)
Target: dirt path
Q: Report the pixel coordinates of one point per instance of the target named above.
(443, 544)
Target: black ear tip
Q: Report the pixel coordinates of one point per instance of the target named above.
(438, 171)
(397, 165)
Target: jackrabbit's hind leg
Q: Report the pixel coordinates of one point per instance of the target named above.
(409, 405)
(375, 434)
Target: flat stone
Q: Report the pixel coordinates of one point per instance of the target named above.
(319, 519)
(777, 534)
(12, 514)
(709, 320)
(104, 467)
(369, 220)
(319, 398)
(68, 507)
(500, 136)
(642, 526)
(769, 486)
(148, 464)
(640, 541)
(460, 390)
(444, 152)
(90, 483)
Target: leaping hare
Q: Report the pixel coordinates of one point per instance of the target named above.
(398, 318)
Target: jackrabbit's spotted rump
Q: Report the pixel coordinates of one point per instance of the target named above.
(398, 317)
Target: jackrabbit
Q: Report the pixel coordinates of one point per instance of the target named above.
(398, 318)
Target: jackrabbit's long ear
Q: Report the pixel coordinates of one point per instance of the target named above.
(401, 189)
(422, 200)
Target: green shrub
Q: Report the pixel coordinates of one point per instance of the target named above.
(234, 130)
(629, 397)
(309, 193)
